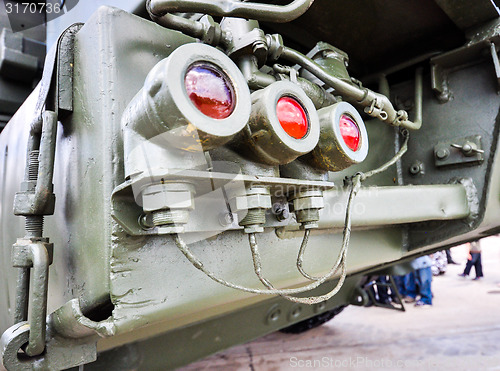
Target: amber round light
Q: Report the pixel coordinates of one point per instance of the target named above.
(292, 117)
(210, 90)
(350, 132)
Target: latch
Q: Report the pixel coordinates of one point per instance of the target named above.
(32, 255)
(466, 150)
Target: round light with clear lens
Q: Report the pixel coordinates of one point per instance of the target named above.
(350, 132)
(292, 117)
(210, 90)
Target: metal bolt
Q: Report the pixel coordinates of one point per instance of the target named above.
(34, 223)
(259, 49)
(417, 168)
(442, 153)
(253, 217)
(226, 219)
(33, 164)
(34, 226)
(281, 212)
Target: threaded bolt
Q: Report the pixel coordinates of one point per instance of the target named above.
(33, 164)
(442, 153)
(34, 226)
(254, 217)
(34, 223)
(168, 217)
(281, 212)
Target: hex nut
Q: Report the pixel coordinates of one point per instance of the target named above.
(253, 229)
(308, 203)
(252, 202)
(168, 196)
(170, 229)
(442, 153)
(417, 168)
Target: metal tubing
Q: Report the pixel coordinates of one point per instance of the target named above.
(407, 64)
(255, 78)
(353, 93)
(417, 121)
(232, 8)
(344, 88)
(184, 25)
(40, 259)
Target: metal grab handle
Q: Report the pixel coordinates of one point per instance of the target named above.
(232, 8)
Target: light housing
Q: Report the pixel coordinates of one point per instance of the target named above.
(196, 98)
(272, 141)
(343, 140)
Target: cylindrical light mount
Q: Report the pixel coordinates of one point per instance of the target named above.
(197, 95)
(343, 138)
(283, 125)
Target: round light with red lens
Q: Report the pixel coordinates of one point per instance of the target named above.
(292, 117)
(350, 132)
(210, 90)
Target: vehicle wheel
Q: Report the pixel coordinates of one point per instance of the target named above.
(312, 322)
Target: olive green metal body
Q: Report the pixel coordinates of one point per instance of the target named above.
(127, 293)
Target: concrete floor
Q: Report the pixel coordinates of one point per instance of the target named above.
(460, 332)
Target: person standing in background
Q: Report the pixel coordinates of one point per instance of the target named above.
(474, 259)
(420, 283)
